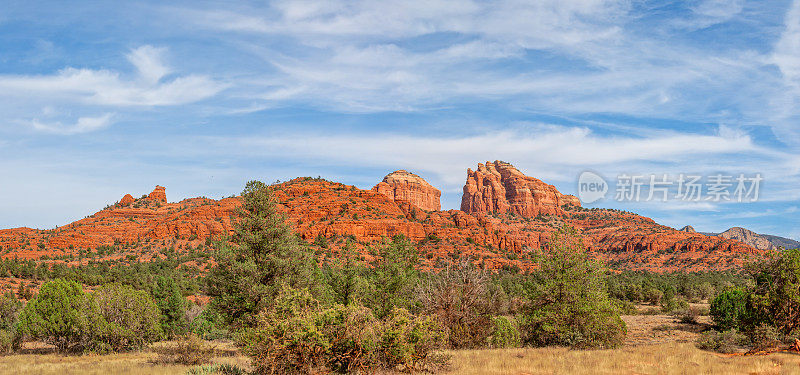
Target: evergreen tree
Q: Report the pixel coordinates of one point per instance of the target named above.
(395, 276)
(265, 254)
(568, 303)
(775, 298)
(62, 315)
(172, 305)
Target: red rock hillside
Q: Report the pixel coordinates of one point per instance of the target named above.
(500, 187)
(328, 215)
(406, 186)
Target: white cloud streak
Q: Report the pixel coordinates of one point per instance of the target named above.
(546, 151)
(82, 125)
(368, 56)
(108, 88)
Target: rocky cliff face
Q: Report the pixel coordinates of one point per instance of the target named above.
(499, 187)
(407, 187)
(688, 229)
(748, 237)
(159, 194)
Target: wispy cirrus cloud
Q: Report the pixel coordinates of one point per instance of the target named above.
(568, 57)
(82, 125)
(108, 88)
(318, 23)
(546, 151)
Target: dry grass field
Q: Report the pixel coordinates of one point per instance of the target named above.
(40, 361)
(656, 344)
(672, 358)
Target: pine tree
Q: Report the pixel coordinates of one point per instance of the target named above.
(172, 305)
(265, 253)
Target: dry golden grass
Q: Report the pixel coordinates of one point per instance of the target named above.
(134, 363)
(669, 358)
(672, 358)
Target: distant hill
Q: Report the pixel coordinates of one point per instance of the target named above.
(784, 242)
(758, 241)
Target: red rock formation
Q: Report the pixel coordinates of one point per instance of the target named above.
(158, 194)
(406, 186)
(500, 187)
(344, 214)
(126, 200)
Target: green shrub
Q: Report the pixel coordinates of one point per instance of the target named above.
(729, 341)
(62, 315)
(672, 304)
(729, 309)
(688, 315)
(297, 336)
(775, 298)
(624, 307)
(209, 325)
(10, 337)
(190, 350)
(10, 308)
(568, 304)
(346, 278)
(352, 333)
(653, 296)
(10, 341)
(505, 332)
(131, 318)
(766, 336)
(321, 241)
(220, 368)
(409, 341)
(285, 338)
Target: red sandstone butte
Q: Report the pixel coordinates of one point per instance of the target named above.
(158, 194)
(500, 187)
(126, 200)
(407, 187)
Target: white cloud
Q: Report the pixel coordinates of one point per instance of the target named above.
(363, 56)
(107, 88)
(148, 60)
(534, 23)
(548, 152)
(82, 125)
(680, 206)
(707, 13)
(786, 56)
(761, 213)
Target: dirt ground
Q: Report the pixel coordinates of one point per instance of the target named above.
(662, 329)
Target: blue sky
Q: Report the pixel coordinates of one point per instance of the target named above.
(99, 99)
